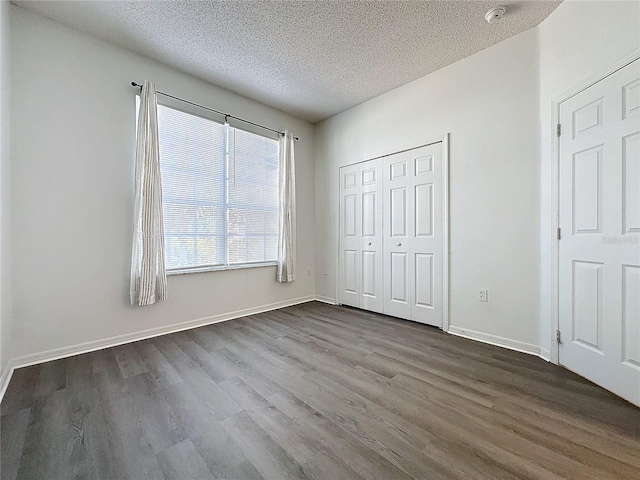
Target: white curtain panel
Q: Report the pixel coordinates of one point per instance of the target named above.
(148, 276)
(287, 225)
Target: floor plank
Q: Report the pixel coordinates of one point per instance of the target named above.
(317, 392)
(183, 461)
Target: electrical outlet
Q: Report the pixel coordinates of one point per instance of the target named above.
(308, 272)
(483, 295)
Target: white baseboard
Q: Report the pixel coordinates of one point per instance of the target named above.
(516, 345)
(545, 354)
(323, 299)
(6, 378)
(86, 347)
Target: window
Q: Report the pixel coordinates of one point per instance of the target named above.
(220, 193)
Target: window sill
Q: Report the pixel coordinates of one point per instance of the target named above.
(218, 268)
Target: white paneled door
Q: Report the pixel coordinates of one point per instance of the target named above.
(599, 249)
(397, 189)
(413, 235)
(361, 235)
(392, 235)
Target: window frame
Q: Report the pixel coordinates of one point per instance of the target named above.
(219, 119)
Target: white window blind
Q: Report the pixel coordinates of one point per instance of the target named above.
(220, 193)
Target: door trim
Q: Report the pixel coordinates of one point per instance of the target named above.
(445, 233)
(555, 189)
(445, 225)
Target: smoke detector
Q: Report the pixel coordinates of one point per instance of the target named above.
(495, 14)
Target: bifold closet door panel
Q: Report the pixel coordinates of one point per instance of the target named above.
(361, 236)
(350, 232)
(425, 243)
(396, 226)
(371, 241)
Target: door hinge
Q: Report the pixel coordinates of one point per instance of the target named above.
(558, 130)
(558, 336)
(559, 233)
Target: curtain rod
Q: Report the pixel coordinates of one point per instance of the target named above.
(225, 115)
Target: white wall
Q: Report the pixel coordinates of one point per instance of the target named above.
(579, 39)
(73, 129)
(6, 315)
(489, 103)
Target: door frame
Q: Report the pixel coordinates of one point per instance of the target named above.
(555, 189)
(445, 224)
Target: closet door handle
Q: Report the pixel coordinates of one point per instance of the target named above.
(399, 244)
(369, 243)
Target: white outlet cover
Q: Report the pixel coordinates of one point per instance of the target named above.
(483, 295)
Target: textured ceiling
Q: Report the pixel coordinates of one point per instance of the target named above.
(311, 58)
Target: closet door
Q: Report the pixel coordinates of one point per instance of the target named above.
(361, 236)
(391, 235)
(396, 268)
(425, 244)
(413, 235)
(350, 235)
(371, 241)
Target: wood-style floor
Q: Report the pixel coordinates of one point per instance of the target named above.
(313, 392)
